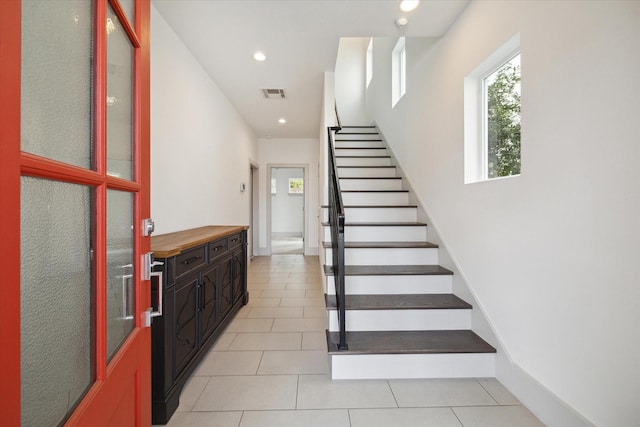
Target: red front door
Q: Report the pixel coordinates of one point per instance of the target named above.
(74, 191)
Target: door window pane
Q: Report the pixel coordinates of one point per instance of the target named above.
(57, 288)
(120, 271)
(57, 80)
(129, 9)
(119, 99)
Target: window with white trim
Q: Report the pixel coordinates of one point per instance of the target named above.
(501, 120)
(369, 65)
(398, 71)
(492, 116)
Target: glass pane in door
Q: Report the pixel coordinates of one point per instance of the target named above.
(119, 99)
(120, 271)
(57, 80)
(57, 315)
(129, 7)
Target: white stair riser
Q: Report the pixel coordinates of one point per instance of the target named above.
(402, 320)
(376, 199)
(347, 172)
(381, 233)
(387, 256)
(381, 214)
(360, 152)
(356, 136)
(391, 285)
(376, 214)
(359, 144)
(363, 161)
(370, 184)
(389, 366)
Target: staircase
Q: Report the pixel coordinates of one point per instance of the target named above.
(402, 319)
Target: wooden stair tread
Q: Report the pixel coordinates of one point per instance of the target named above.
(361, 148)
(358, 140)
(376, 206)
(400, 302)
(363, 157)
(381, 224)
(382, 206)
(385, 224)
(391, 270)
(388, 245)
(374, 191)
(410, 342)
(371, 177)
(360, 166)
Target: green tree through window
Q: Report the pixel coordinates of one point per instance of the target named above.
(296, 186)
(503, 120)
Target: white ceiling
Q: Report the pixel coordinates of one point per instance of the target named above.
(300, 39)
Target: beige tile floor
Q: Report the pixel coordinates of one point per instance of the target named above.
(287, 245)
(270, 368)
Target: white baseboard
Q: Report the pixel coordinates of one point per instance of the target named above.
(549, 408)
(286, 234)
(311, 251)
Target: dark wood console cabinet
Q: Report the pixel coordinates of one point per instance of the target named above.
(204, 285)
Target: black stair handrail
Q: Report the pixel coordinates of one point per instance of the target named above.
(336, 223)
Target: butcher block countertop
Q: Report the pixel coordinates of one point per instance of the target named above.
(172, 244)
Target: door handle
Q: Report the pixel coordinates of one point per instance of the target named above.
(126, 286)
(157, 274)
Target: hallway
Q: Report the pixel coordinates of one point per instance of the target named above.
(287, 245)
(270, 368)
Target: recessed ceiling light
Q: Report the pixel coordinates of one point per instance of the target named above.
(408, 5)
(282, 121)
(259, 56)
(401, 22)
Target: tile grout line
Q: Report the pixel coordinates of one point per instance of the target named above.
(488, 392)
(456, 415)
(395, 399)
(297, 391)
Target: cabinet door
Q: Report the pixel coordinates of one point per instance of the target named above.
(208, 311)
(226, 289)
(238, 261)
(186, 325)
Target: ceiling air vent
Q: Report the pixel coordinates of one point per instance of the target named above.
(273, 93)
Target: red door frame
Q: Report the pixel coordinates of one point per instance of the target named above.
(131, 366)
(10, 39)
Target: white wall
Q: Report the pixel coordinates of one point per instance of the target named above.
(290, 153)
(327, 119)
(200, 147)
(287, 210)
(350, 80)
(552, 255)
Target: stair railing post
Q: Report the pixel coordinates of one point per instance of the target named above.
(336, 223)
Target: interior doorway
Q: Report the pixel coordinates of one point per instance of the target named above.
(287, 196)
(253, 209)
